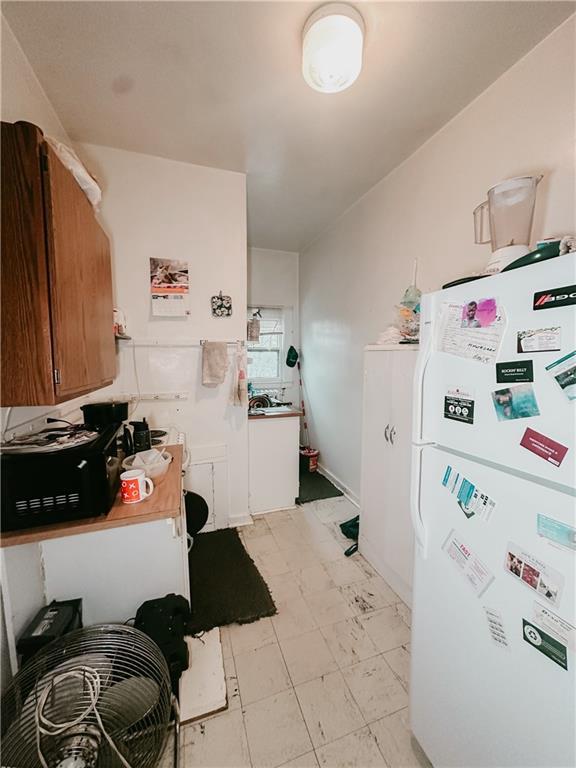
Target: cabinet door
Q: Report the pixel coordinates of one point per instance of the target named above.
(386, 537)
(399, 541)
(376, 451)
(27, 377)
(80, 286)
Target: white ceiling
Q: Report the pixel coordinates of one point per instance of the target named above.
(219, 84)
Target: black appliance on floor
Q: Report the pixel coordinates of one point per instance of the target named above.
(50, 623)
(57, 475)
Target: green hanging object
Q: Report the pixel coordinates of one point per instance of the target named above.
(291, 357)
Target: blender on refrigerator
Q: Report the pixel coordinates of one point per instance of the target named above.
(509, 212)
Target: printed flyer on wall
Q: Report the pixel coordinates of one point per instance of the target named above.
(473, 330)
(470, 499)
(169, 287)
(544, 580)
(473, 569)
(556, 531)
(563, 371)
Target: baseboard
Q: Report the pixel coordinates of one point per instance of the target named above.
(239, 520)
(340, 485)
(275, 509)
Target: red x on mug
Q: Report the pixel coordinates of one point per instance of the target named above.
(135, 486)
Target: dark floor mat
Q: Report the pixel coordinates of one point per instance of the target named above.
(314, 486)
(225, 585)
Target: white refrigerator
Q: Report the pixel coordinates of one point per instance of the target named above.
(493, 509)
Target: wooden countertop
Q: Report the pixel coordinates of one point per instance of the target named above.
(163, 504)
(274, 413)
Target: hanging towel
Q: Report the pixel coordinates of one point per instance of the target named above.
(254, 329)
(239, 395)
(214, 362)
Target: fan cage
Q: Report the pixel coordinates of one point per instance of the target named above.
(134, 702)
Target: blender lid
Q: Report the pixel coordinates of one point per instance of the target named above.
(507, 184)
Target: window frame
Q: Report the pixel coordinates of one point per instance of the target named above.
(284, 378)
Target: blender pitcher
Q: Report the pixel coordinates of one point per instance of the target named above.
(510, 211)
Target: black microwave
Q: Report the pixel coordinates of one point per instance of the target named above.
(56, 487)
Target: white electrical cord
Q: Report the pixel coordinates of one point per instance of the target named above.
(45, 726)
(136, 378)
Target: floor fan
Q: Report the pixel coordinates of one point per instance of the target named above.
(97, 698)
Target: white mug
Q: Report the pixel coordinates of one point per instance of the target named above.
(134, 485)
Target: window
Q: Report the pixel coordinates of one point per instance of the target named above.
(266, 356)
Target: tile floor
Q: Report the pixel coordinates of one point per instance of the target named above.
(324, 682)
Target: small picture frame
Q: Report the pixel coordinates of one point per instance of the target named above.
(221, 305)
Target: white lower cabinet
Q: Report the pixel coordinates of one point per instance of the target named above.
(386, 538)
(274, 459)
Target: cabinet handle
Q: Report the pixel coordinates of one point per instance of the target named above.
(386, 433)
(392, 433)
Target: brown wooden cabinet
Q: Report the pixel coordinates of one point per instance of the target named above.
(56, 279)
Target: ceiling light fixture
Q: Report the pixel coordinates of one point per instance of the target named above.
(332, 46)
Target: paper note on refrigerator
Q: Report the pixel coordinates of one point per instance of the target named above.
(556, 531)
(535, 574)
(473, 570)
(545, 643)
(556, 625)
(496, 627)
(563, 371)
(467, 339)
(539, 340)
(471, 500)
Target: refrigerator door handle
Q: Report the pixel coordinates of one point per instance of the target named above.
(421, 365)
(415, 493)
(386, 432)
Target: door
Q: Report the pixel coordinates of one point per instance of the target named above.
(500, 434)
(80, 286)
(482, 698)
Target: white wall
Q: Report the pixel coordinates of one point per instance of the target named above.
(273, 282)
(353, 274)
(162, 208)
(22, 95)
